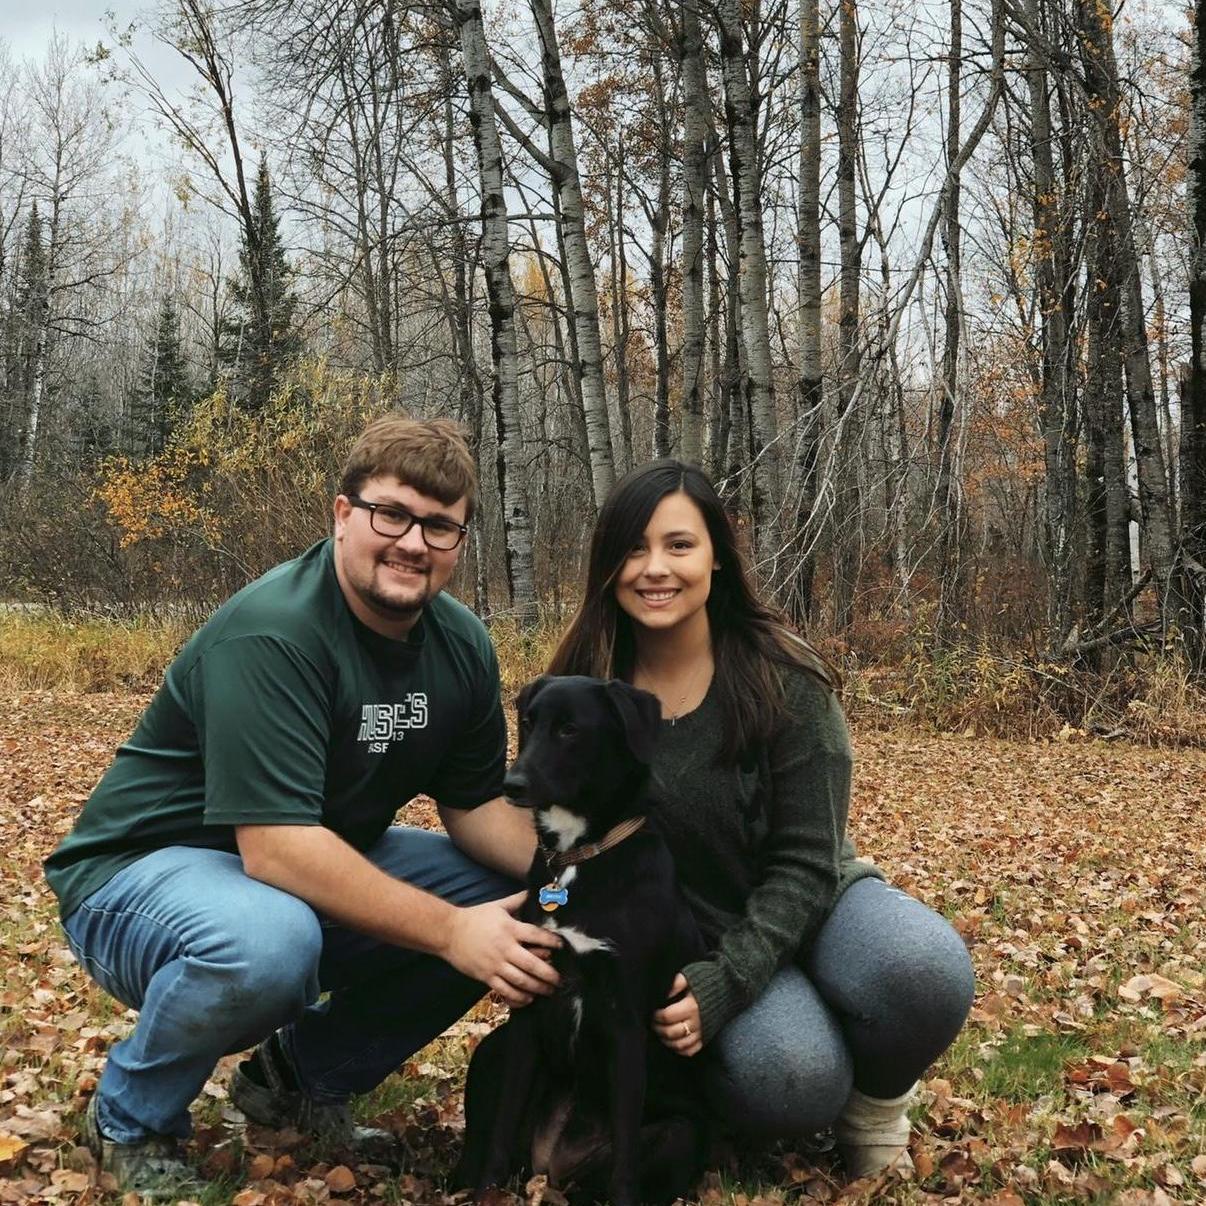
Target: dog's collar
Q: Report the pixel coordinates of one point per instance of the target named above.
(558, 860)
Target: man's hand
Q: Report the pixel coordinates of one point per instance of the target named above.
(487, 943)
(678, 1025)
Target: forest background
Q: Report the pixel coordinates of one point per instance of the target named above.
(921, 285)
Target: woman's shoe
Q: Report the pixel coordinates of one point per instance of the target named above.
(873, 1134)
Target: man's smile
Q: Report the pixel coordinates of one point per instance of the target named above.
(406, 569)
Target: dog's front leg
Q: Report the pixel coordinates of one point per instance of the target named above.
(514, 1100)
(627, 1105)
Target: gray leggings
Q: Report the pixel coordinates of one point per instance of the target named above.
(883, 992)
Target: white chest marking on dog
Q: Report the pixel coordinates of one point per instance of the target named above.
(564, 825)
(580, 943)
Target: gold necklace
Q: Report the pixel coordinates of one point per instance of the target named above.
(678, 709)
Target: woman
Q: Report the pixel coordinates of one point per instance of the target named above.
(827, 993)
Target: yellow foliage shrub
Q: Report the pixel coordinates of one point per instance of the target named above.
(243, 489)
(149, 499)
(43, 651)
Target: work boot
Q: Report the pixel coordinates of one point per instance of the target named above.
(149, 1167)
(873, 1134)
(265, 1088)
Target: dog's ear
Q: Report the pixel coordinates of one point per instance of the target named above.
(641, 715)
(529, 691)
(523, 701)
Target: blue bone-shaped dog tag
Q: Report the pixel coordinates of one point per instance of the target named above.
(552, 896)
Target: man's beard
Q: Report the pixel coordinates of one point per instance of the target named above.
(389, 604)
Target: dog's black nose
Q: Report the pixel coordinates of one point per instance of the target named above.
(515, 786)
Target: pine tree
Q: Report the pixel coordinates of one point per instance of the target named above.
(164, 390)
(260, 338)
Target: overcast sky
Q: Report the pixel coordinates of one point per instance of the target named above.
(27, 26)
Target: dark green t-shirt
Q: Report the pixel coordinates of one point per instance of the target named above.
(285, 709)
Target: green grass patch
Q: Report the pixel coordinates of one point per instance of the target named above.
(1022, 1066)
(49, 652)
(396, 1093)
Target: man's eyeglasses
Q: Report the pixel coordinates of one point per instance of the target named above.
(388, 520)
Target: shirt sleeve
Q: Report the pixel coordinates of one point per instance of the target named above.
(472, 771)
(809, 798)
(262, 710)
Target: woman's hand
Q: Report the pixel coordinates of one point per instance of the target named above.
(678, 1025)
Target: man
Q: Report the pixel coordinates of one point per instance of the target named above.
(238, 859)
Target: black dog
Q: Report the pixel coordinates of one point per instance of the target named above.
(575, 1085)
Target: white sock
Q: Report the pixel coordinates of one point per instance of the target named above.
(873, 1132)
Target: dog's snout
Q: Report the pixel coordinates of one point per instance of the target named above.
(515, 785)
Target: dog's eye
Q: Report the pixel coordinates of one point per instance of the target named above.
(568, 730)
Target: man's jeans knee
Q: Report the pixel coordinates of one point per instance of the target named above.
(215, 961)
(212, 959)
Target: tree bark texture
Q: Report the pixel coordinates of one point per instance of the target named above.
(1058, 403)
(1193, 400)
(949, 502)
(1101, 81)
(810, 390)
(584, 302)
(846, 492)
(659, 271)
(501, 292)
(1107, 506)
(695, 166)
(741, 118)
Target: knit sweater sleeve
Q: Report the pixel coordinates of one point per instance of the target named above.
(808, 799)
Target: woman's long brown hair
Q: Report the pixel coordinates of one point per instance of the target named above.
(751, 643)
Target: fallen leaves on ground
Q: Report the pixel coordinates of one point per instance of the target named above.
(1074, 871)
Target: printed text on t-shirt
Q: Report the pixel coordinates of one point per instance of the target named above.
(385, 722)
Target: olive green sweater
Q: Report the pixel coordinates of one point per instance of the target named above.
(761, 849)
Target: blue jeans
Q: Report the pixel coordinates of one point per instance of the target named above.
(884, 990)
(215, 961)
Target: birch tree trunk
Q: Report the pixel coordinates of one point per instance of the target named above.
(950, 595)
(1193, 405)
(896, 483)
(33, 411)
(695, 136)
(1107, 506)
(1101, 76)
(718, 415)
(584, 302)
(733, 392)
(622, 415)
(501, 291)
(1058, 406)
(741, 112)
(40, 340)
(845, 511)
(811, 395)
(658, 217)
(460, 317)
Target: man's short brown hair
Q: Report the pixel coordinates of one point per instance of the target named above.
(429, 455)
